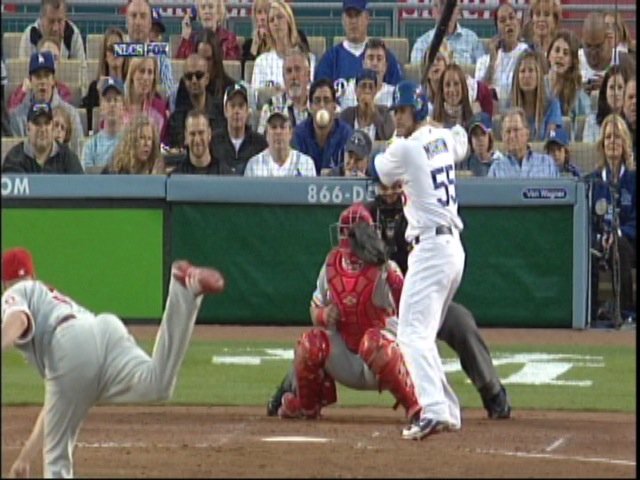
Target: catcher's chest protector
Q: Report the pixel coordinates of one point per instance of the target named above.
(353, 294)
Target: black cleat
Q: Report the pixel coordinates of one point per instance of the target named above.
(274, 403)
(498, 406)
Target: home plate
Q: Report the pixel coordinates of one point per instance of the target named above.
(296, 439)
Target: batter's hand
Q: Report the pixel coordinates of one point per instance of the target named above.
(19, 469)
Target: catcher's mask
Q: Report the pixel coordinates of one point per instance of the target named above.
(339, 232)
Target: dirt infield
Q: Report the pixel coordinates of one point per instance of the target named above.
(223, 442)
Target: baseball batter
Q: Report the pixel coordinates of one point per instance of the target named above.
(351, 308)
(87, 359)
(424, 161)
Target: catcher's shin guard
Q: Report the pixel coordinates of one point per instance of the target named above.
(384, 358)
(315, 388)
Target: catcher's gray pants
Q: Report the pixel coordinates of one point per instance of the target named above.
(458, 330)
(94, 359)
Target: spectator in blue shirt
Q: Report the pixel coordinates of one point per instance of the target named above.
(467, 47)
(342, 63)
(528, 92)
(323, 142)
(557, 147)
(519, 160)
(98, 151)
(615, 173)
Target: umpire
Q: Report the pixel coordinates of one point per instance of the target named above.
(458, 329)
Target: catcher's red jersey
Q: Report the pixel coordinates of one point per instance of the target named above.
(352, 293)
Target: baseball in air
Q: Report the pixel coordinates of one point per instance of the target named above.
(323, 118)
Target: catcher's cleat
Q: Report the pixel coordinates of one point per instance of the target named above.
(198, 280)
(423, 427)
(290, 406)
(498, 406)
(274, 403)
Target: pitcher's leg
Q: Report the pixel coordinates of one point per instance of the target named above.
(132, 375)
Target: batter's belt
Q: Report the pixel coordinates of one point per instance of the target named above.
(440, 230)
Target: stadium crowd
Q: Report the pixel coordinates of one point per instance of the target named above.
(537, 100)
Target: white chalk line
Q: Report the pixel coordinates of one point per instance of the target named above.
(555, 444)
(557, 457)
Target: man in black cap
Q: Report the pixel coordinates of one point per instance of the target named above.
(233, 146)
(40, 153)
(42, 72)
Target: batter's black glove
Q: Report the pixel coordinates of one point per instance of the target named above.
(367, 244)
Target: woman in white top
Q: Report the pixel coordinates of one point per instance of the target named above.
(496, 69)
(283, 34)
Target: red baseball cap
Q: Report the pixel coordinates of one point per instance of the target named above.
(16, 263)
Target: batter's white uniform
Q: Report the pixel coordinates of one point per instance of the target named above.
(90, 358)
(425, 163)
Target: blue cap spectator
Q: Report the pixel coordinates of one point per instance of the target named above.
(39, 109)
(157, 26)
(482, 120)
(42, 61)
(114, 83)
(367, 74)
(359, 5)
(557, 147)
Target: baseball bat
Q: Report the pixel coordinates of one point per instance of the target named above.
(441, 30)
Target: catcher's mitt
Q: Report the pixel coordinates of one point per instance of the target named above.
(367, 244)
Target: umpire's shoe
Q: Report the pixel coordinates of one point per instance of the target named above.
(423, 427)
(498, 406)
(197, 280)
(274, 403)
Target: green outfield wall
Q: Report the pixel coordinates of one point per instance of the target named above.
(108, 241)
(110, 260)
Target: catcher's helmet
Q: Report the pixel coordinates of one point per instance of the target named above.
(410, 94)
(352, 215)
(339, 232)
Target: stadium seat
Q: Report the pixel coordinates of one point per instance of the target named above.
(485, 43)
(82, 112)
(10, 44)
(496, 120)
(177, 67)
(8, 143)
(70, 71)
(17, 69)
(233, 69)
(584, 155)
(94, 45)
(174, 42)
(579, 128)
(248, 70)
(468, 69)
(399, 47)
(263, 96)
(413, 72)
(95, 120)
(317, 45)
(537, 146)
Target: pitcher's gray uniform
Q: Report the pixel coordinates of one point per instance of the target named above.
(87, 359)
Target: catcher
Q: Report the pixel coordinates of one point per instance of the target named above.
(351, 306)
(458, 329)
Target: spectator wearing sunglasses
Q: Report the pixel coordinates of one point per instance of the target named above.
(194, 96)
(40, 153)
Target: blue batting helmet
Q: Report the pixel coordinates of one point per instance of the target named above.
(411, 94)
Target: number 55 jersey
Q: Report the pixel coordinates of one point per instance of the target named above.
(425, 163)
